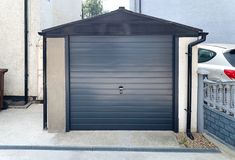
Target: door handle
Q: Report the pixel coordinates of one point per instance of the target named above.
(121, 88)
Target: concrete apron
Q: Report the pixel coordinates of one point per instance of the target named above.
(22, 129)
(127, 139)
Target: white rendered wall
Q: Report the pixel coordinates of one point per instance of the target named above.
(12, 45)
(182, 90)
(57, 12)
(53, 13)
(34, 47)
(41, 14)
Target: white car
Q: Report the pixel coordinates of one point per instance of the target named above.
(217, 60)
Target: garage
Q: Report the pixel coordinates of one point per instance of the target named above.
(117, 71)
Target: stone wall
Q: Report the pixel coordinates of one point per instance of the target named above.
(220, 125)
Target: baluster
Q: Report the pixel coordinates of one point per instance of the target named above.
(205, 92)
(209, 95)
(232, 107)
(220, 95)
(227, 98)
(214, 96)
(224, 97)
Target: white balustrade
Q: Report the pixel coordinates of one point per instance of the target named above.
(220, 96)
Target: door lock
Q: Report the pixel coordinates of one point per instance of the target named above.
(121, 89)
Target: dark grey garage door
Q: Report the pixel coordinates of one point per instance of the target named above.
(121, 83)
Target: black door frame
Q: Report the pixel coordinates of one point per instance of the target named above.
(175, 52)
(175, 83)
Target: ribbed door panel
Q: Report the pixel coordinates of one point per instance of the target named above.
(100, 65)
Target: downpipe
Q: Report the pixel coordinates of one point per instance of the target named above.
(189, 90)
(140, 6)
(44, 83)
(26, 51)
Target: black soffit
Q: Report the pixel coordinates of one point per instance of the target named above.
(122, 22)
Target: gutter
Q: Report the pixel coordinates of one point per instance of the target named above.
(189, 90)
(26, 51)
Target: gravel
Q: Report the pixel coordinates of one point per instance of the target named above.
(199, 141)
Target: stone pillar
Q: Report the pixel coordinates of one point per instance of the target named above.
(200, 110)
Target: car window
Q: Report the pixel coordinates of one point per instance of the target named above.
(205, 55)
(230, 56)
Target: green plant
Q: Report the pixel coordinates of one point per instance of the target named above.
(91, 8)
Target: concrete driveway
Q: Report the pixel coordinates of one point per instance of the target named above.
(71, 155)
(23, 127)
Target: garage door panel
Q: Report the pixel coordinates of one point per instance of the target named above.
(121, 45)
(121, 74)
(143, 39)
(118, 108)
(141, 64)
(159, 103)
(127, 57)
(122, 97)
(120, 60)
(130, 80)
(122, 126)
(122, 120)
(121, 51)
(116, 92)
(125, 85)
(121, 114)
(135, 68)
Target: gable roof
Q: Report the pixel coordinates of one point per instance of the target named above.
(122, 22)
